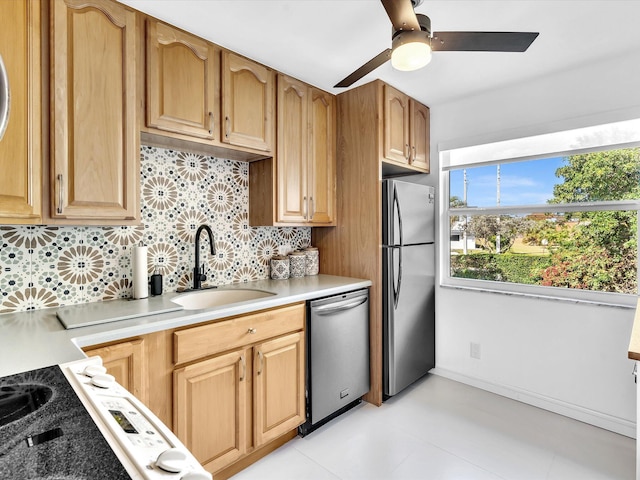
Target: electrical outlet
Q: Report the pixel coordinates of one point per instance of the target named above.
(474, 350)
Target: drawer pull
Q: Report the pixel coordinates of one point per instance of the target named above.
(252, 331)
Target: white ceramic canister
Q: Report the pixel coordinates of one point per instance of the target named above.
(313, 260)
(279, 267)
(298, 264)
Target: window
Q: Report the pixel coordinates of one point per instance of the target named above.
(553, 215)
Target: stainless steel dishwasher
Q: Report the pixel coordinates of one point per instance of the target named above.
(337, 356)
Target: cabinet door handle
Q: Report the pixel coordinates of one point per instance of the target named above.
(210, 123)
(252, 331)
(260, 358)
(227, 126)
(312, 209)
(243, 362)
(60, 186)
(414, 154)
(5, 98)
(304, 207)
(408, 152)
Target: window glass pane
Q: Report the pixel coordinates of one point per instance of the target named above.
(588, 177)
(582, 250)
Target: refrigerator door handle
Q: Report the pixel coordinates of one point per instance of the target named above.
(395, 285)
(397, 292)
(396, 206)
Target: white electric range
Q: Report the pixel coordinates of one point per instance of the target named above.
(74, 421)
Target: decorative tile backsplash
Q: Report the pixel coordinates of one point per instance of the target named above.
(49, 266)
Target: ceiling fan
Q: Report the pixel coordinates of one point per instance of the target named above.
(413, 41)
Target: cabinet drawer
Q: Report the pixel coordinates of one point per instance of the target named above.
(198, 342)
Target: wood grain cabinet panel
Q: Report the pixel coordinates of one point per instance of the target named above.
(127, 362)
(322, 158)
(210, 409)
(406, 130)
(248, 91)
(95, 138)
(396, 125)
(292, 153)
(420, 136)
(298, 186)
(20, 147)
(182, 72)
(279, 391)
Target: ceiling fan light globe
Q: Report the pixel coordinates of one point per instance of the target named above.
(410, 56)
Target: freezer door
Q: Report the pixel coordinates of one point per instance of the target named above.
(408, 213)
(408, 315)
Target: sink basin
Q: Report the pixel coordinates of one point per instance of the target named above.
(216, 298)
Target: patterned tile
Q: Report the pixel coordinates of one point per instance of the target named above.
(48, 266)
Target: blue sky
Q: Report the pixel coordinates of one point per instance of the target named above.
(521, 183)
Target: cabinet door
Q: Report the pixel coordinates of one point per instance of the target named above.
(247, 103)
(420, 136)
(210, 409)
(94, 149)
(293, 100)
(181, 82)
(322, 159)
(279, 403)
(126, 361)
(396, 125)
(20, 147)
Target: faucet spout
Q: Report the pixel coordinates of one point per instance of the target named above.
(198, 272)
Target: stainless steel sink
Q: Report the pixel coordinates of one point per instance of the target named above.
(215, 298)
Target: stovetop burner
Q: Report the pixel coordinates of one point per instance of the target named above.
(46, 432)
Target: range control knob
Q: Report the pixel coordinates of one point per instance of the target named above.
(196, 476)
(172, 460)
(93, 370)
(103, 380)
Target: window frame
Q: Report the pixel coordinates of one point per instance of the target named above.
(539, 291)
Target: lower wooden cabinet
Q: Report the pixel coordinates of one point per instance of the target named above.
(127, 362)
(210, 408)
(278, 387)
(232, 390)
(232, 403)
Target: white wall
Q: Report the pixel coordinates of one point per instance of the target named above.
(567, 357)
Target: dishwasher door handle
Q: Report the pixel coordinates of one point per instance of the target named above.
(339, 306)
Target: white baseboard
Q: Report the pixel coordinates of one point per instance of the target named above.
(592, 417)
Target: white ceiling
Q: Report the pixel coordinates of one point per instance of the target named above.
(322, 41)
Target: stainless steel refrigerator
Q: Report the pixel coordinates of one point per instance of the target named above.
(408, 266)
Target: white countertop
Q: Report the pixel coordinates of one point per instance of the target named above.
(30, 340)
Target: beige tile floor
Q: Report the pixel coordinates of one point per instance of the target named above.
(439, 429)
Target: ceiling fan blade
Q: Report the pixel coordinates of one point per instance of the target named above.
(368, 67)
(401, 14)
(482, 41)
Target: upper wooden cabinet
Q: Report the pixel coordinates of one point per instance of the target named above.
(247, 103)
(322, 158)
(396, 125)
(94, 164)
(20, 147)
(405, 130)
(299, 186)
(182, 81)
(292, 151)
